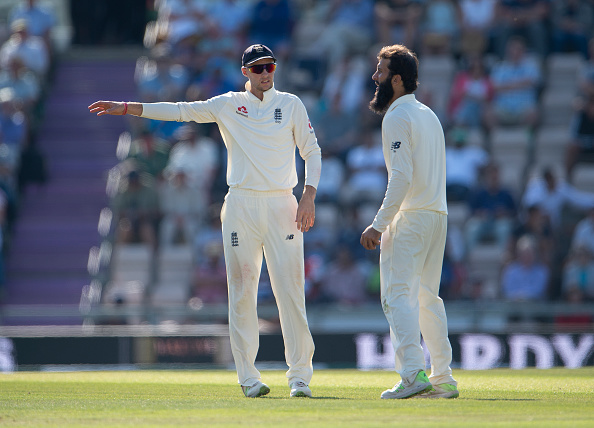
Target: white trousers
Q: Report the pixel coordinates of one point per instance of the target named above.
(257, 223)
(410, 269)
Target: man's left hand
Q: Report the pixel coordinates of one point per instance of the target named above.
(306, 211)
(370, 238)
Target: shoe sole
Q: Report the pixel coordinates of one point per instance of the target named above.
(263, 391)
(450, 394)
(301, 394)
(422, 388)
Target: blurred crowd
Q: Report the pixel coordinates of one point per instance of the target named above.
(27, 60)
(326, 54)
(541, 225)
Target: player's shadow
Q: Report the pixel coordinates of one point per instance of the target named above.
(504, 399)
(267, 397)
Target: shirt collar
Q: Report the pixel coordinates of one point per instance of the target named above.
(268, 95)
(408, 98)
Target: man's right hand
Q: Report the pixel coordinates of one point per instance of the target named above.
(115, 108)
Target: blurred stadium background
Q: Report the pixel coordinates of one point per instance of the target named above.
(111, 246)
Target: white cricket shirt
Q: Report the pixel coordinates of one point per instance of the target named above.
(414, 151)
(260, 136)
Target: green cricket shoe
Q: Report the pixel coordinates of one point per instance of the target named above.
(256, 390)
(300, 389)
(445, 390)
(407, 390)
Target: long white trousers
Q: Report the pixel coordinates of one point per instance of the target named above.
(265, 221)
(410, 269)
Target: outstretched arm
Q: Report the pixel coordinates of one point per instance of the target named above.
(114, 108)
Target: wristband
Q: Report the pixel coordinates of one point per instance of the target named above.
(125, 109)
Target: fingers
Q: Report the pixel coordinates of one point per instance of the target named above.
(369, 243)
(305, 222)
(102, 108)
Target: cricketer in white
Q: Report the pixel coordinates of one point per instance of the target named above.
(261, 128)
(412, 224)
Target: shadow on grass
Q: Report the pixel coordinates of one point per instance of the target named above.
(503, 399)
(304, 398)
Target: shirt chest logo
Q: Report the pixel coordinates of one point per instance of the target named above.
(278, 115)
(242, 111)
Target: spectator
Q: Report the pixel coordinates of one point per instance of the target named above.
(516, 80)
(347, 29)
(397, 21)
(472, 92)
(231, 19)
(183, 19)
(215, 79)
(367, 171)
(537, 226)
(271, 24)
(337, 130)
(525, 18)
(572, 22)
(440, 27)
(344, 281)
(150, 154)
(138, 212)
(346, 84)
(551, 195)
(463, 166)
(210, 234)
(525, 278)
(182, 207)
(583, 234)
(331, 179)
(578, 275)
(492, 212)
(162, 78)
(40, 19)
(586, 75)
(210, 277)
(13, 124)
(30, 49)
(23, 82)
(195, 154)
(477, 21)
(581, 144)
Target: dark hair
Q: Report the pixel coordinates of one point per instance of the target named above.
(404, 62)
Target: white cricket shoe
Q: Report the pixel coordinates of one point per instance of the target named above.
(407, 390)
(256, 390)
(300, 389)
(445, 390)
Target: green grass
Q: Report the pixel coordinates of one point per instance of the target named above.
(495, 398)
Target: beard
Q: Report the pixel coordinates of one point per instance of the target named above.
(383, 95)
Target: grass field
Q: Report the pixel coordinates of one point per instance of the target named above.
(501, 398)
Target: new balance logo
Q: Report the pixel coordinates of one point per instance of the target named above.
(395, 146)
(289, 237)
(278, 115)
(234, 239)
